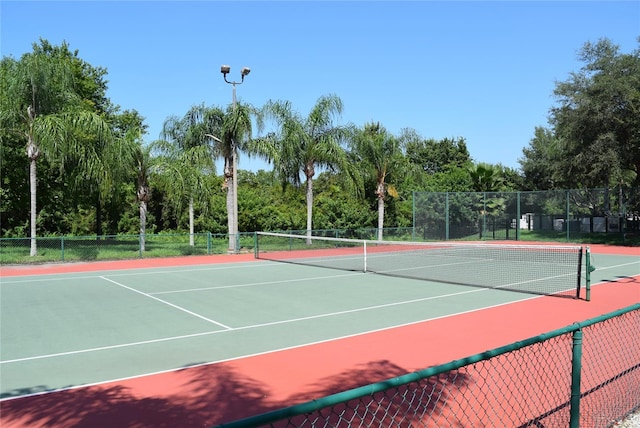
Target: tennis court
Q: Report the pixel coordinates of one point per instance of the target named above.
(203, 344)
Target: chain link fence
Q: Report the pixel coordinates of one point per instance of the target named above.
(119, 247)
(592, 215)
(586, 375)
(368, 233)
(535, 215)
(116, 247)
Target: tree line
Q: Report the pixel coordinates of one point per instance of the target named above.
(74, 162)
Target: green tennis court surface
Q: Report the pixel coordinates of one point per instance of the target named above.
(68, 330)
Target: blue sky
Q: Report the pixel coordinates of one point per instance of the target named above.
(484, 71)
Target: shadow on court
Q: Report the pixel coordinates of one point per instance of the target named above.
(97, 407)
(204, 396)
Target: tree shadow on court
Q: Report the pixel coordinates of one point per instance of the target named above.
(214, 394)
(235, 396)
(200, 396)
(225, 394)
(96, 407)
(397, 406)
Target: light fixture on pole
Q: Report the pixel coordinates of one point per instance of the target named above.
(233, 216)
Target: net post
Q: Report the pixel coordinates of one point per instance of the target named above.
(590, 268)
(579, 278)
(255, 245)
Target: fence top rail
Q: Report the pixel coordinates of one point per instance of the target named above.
(589, 190)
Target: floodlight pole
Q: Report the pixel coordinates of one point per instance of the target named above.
(234, 239)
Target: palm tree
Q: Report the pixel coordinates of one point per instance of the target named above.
(39, 102)
(119, 158)
(305, 144)
(487, 178)
(379, 155)
(143, 162)
(235, 136)
(188, 155)
(132, 155)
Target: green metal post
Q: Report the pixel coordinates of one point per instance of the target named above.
(413, 211)
(589, 268)
(576, 368)
(62, 248)
(518, 216)
(446, 217)
(484, 215)
(623, 214)
(255, 245)
(208, 243)
(567, 216)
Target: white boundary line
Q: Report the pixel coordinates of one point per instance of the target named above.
(167, 303)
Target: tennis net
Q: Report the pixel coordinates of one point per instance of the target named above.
(537, 269)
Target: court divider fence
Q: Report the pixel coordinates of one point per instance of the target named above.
(121, 247)
(529, 215)
(584, 375)
(610, 216)
(117, 247)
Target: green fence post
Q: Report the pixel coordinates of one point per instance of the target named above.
(484, 215)
(209, 243)
(413, 212)
(576, 369)
(518, 216)
(446, 217)
(62, 248)
(623, 212)
(566, 221)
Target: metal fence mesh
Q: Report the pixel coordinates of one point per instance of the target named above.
(516, 215)
(611, 370)
(113, 247)
(586, 375)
